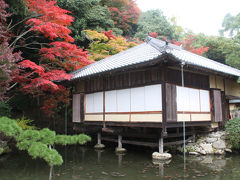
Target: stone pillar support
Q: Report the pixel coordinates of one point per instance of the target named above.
(120, 149)
(99, 144)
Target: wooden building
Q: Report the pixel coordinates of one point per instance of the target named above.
(153, 90)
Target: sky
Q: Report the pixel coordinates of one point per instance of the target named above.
(200, 16)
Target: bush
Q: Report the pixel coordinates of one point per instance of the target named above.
(25, 123)
(233, 132)
(38, 143)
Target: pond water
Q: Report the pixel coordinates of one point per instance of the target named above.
(84, 163)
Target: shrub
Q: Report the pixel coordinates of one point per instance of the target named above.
(25, 123)
(38, 143)
(233, 132)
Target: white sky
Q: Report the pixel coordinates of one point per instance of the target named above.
(201, 16)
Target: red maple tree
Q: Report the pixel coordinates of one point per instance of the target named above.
(153, 34)
(58, 58)
(8, 57)
(124, 13)
(187, 44)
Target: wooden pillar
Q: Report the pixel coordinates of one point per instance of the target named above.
(164, 106)
(82, 106)
(216, 105)
(76, 111)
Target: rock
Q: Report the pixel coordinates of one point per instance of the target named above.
(190, 144)
(215, 135)
(120, 150)
(180, 148)
(198, 149)
(194, 153)
(4, 147)
(228, 150)
(99, 146)
(161, 156)
(207, 148)
(219, 152)
(210, 140)
(203, 152)
(220, 144)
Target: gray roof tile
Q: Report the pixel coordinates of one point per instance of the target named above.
(150, 50)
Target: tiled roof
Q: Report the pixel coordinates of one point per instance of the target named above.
(148, 51)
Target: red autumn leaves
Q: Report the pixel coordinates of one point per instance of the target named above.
(38, 77)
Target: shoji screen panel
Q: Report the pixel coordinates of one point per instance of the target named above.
(123, 100)
(153, 98)
(89, 103)
(111, 101)
(205, 101)
(137, 99)
(183, 99)
(194, 100)
(94, 102)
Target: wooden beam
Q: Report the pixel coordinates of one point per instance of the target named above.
(147, 144)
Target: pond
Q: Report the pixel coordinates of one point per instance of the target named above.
(84, 163)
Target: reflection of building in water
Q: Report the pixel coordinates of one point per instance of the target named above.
(234, 106)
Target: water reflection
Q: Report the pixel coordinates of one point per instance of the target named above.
(160, 164)
(51, 173)
(86, 163)
(99, 152)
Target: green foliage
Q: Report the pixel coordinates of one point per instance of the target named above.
(25, 123)
(5, 109)
(233, 131)
(88, 14)
(38, 143)
(231, 25)
(41, 150)
(75, 139)
(221, 49)
(155, 21)
(1, 150)
(9, 127)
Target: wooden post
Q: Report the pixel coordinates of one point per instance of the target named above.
(160, 144)
(119, 141)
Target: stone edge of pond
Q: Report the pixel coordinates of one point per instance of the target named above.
(215, 143)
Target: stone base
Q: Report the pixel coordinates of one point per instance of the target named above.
(161, 156)
(120, 150)
(99, 146)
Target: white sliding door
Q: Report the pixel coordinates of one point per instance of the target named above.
(111, 101)
(183, 99)
(123, 100)
(205, 101)
(137, 99)
(153, 98)
(94, 102)
(192, 100)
